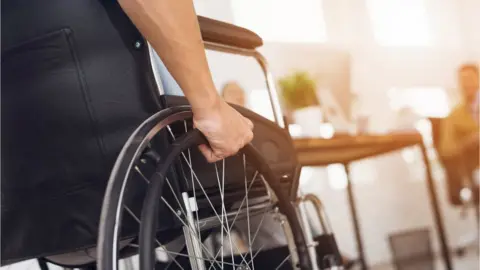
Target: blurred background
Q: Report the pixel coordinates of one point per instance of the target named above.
(377, 66)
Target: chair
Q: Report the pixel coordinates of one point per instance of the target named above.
(461, 189)
(143, 139)
(412, 250)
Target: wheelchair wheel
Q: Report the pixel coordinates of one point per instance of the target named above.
(163, 201)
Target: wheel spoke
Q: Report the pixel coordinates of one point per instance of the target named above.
(169, 185)
(229, 228)
(193, 183)
(196, 178)
(188, 227)
(259, 226)
(158, 242)
(243, 201)
(216, 256)
(283, 262)
(248, 210)
(208, 199)
(256, 253)
(187, 256)
(211, 205)
(224, 213)
(198, 225)
(208, 260)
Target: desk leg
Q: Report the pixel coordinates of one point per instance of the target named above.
(356, 223)
(436, 210)
(42, 263)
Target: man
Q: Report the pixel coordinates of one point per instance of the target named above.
(73, 90)
(172, 29)
(460, 130)
(459, 137)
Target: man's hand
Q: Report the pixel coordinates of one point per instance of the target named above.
(171, 26)
(227, 131)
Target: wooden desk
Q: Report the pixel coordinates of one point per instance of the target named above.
(347, 149)
(321, 152)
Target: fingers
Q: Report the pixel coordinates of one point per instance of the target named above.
(212, 155)
(249, 123)
(227, 131)
(219, 152)
(207, 152)
(248, 137)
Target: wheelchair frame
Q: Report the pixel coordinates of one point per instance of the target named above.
(280, 121)
(274, 101)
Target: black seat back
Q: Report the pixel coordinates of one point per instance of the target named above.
(76, 82)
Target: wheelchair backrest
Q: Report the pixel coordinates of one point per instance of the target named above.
(76, 82)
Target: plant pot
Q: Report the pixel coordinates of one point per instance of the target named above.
(309, 120)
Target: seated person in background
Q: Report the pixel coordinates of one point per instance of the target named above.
(233, 93)
(460, 130)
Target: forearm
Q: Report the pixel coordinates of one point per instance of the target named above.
(172, 29)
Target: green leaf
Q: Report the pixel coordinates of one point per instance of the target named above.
(298, 90)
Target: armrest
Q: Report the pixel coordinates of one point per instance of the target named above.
(228, 34)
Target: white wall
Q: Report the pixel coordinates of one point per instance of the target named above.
(393, 200)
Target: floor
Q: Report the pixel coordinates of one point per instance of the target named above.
(469, 262)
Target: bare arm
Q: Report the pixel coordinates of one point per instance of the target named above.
(171, 26)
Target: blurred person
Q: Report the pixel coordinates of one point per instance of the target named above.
(233, 93)
(460, 130)
(459, 142)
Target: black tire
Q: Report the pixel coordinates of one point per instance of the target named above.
(111, 217)
(114, 194)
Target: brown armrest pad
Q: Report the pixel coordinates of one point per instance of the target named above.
(228, 34)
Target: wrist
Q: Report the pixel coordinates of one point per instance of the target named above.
(206, 105)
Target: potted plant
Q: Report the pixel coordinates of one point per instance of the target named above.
(299, 92)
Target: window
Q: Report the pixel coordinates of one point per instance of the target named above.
(259, 102)
(424, 101)
(337, 177)
(306, 174)
(363, 172)
(399, 22)
(326, 130)
(282, 20)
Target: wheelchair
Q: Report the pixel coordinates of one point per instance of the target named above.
(162, 199)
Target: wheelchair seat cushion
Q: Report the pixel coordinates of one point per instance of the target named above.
(228, 34)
